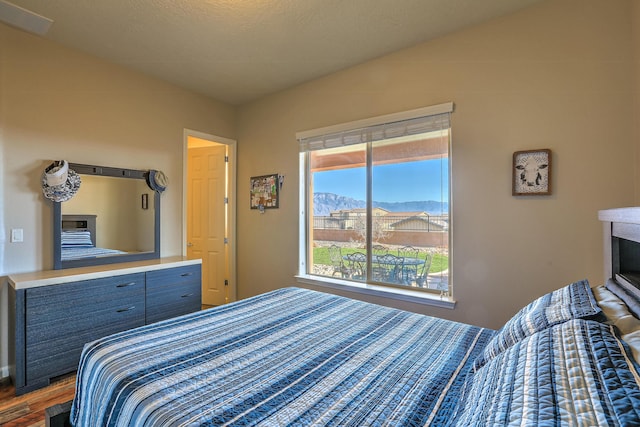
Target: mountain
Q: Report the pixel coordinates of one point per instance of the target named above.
(324, 203)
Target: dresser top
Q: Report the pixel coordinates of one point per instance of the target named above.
(55, 277)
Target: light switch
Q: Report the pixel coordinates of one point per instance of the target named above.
(17, 235)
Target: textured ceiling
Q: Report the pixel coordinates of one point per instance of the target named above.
(239, 50)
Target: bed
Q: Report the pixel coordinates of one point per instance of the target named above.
(78, 240)
(300, 357)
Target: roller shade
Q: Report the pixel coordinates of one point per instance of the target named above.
(376, 129)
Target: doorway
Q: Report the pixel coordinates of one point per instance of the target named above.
(209, 228)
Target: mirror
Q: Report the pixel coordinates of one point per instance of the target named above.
(114, 217)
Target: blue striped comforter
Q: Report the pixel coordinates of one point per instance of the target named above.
(288, 357)
(80, 252)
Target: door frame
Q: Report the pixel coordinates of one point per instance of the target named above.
(231, 205)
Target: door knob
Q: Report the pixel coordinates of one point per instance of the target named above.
(189, 244)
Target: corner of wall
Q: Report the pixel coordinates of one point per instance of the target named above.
(4, 327)
(635, 36)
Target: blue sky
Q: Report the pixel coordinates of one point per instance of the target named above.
(400, 182)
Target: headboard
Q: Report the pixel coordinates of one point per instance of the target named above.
(622, 247)
(80, 222)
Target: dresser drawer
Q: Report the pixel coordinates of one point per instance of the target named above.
(173, 276)
(173, 300)
(173, 292)
(56, 349)
(60, 301)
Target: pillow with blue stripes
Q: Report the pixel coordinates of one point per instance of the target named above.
(629, 294)
(574, 301)
(76, 239)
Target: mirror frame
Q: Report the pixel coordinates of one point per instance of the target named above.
(82, 169)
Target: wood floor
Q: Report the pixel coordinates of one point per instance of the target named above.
(28, 410)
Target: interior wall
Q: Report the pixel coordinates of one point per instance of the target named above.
(635, 17)
(57, 103)
(557, 75)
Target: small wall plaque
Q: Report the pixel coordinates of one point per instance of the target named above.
(265, 191)
(532, 172)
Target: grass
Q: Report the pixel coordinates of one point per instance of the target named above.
(321, 256)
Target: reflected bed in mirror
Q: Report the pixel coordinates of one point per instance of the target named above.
(114, 217)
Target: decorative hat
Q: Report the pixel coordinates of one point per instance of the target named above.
(157, 180)
(59, 183)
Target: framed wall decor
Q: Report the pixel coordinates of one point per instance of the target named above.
(265, 191)
(532, 172)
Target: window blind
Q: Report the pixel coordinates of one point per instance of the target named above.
(415, 122)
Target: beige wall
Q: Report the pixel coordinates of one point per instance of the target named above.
(57, 103)
(557, 75)
(635, 17)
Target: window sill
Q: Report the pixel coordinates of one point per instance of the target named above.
(406, 295)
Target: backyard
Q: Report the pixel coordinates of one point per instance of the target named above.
(440, 261)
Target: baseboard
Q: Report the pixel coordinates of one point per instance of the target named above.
(5, 382)
(4, 373)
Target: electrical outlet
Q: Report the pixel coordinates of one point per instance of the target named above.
(17, 235)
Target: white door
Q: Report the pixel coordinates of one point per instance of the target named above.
(207, 219)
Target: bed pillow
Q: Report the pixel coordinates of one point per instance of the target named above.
(575, 373)
(76, 239)
(615, 310)
(617, 314)
(574, 301)
(631, 299)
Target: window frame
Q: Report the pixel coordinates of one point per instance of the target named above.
(370, 288)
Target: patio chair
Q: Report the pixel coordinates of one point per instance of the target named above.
(377, 270)
(390, 268)
(379, 250)
(337, 262)
(423, 271)
(356, 265)
(408, 251)
(410, 269)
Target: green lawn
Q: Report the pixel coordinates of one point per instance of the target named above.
(321, 256)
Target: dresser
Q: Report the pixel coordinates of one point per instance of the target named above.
(54, 313)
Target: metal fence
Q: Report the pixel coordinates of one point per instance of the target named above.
(418, 223)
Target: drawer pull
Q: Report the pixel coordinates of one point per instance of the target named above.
(122, 310)
(186, 295)
(124, 285)
(186, 274)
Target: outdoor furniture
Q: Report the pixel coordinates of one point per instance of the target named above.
(335, 257)
(378, 271)
(389, 268)
(379, 249)
(356, 265)
(423, 271)
(410, 271)
(408, 251)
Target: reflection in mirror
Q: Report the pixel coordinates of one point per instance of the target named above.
(114, 217)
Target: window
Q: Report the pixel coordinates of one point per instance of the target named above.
(375, 200)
